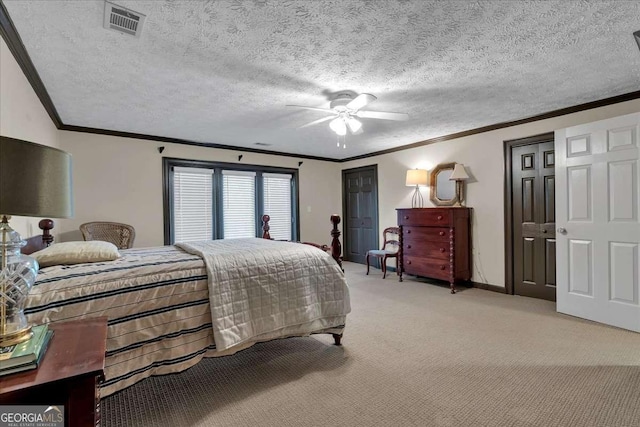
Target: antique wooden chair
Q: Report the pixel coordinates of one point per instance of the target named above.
(389, 250)
(121, 235)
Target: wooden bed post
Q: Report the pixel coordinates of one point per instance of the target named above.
(336, 248)
(336, 253)
(39, 242)
(265, 227)
(46, 225)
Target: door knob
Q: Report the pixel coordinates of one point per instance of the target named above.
(562, 230)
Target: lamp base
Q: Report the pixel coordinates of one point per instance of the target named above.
(16, 337)
(17, 275)
(459, 195)
(416, 200)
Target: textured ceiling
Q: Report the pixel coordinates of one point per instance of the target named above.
(223, 72)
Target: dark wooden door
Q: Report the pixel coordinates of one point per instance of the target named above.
(533, 209)
(360, 200)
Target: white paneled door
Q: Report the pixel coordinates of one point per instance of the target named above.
(597, 220)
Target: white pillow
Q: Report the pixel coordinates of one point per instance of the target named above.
(76, 253)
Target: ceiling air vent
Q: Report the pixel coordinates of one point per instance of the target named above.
(121, 19)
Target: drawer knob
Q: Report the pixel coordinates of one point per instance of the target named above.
(442, 249)
(406, 217)
(441, 233)
(408, 231)
(408, 246)
(409, 262)
(442, 267)
(439, 217)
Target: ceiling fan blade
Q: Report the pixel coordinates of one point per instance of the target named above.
(382, 115)
(315, 122)
(312, 108)
(360, 101)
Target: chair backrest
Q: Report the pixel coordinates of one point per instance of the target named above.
(121, 235)
(391, 236)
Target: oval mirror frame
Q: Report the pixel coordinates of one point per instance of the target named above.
(442, 192)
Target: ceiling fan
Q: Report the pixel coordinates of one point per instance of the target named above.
(345, 110)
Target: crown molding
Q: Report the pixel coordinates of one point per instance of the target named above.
(556, 113)
(14, 42)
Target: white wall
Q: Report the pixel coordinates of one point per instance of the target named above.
(22, 116)
(120, 179)
(483, 157)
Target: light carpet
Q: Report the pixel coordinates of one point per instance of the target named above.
(413, 355)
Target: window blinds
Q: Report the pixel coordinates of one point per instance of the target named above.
(239, 204)
(277, 204)
(192, 204)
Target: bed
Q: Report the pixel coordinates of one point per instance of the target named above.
(170, 306)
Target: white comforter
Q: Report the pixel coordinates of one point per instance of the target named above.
(262, 289)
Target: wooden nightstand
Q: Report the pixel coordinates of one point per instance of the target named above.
(68, 375)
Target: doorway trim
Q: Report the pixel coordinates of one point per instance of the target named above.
(345, 238)
(508, 201)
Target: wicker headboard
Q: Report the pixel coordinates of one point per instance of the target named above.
(39, 242)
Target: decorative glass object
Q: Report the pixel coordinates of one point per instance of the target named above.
(17, 276)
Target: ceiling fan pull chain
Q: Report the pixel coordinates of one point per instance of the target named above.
(344, 141)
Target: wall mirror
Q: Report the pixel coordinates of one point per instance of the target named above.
(442, 190)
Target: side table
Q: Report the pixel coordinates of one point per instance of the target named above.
(69, 374)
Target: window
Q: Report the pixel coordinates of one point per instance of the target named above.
(193, 204)
(277, 204)
(209, 200)
(239, 204)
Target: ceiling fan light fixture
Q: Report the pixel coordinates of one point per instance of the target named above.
(338, 126)
(345, 111)
(354, 124)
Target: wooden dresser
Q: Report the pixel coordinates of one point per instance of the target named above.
(436, 243)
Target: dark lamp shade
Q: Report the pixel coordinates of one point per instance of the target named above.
(35, 180)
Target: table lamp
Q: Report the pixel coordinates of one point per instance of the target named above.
(35, 180)
(459, 175)
(417, 178)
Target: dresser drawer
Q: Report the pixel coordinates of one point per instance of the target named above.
(420, 247)
(428, 267)
(424, 217)
(422, 234)
(438, 250)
